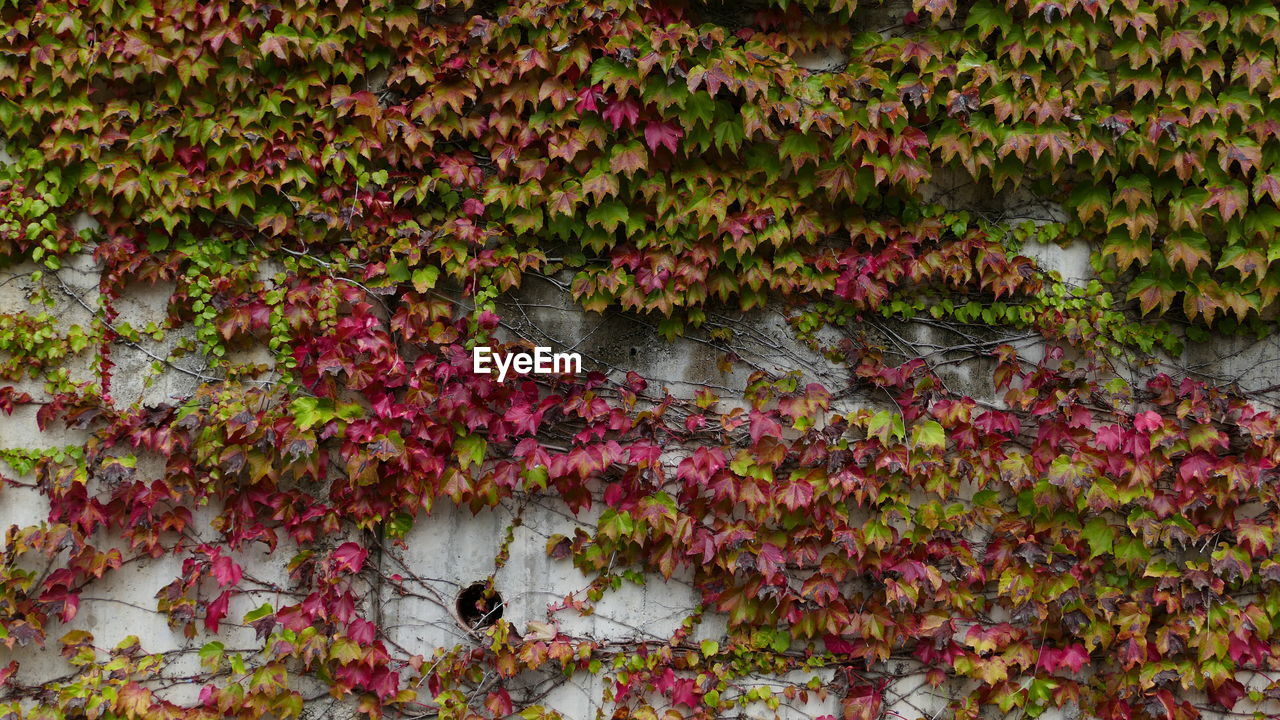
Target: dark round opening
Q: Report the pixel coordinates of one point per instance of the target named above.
(478, 606)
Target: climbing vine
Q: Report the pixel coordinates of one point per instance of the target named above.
(339, 201)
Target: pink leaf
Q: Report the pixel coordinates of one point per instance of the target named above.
(622, 112)
(769, 559)
(361, 631)
(666, 134)
(1227, 694)
(70, 606)
(1147, 421)
(226, 571)
(685, 693)
(499, 703)
(350, 556)
(762, 425)
(797, 495)
(588, 97)
(216, 611)
(838, 645)
(1109, 437)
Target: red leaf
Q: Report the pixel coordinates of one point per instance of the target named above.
(1147, 421)
(769, 559)
(796, 495)
(361, 631)
(838, 645)
(226, 571)
(70, 605)
(350, 556)
(762, 424)
(216, 611)
(685, 693)
(1073, 656)
(622, 112)
(1227, 694)
(498, 702)
(666, 134)
(386, 684)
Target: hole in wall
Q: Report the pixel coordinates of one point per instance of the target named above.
(478, 606)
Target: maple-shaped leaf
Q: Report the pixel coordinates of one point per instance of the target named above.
(988, 639)
(1227, 693)
(769, 560)
(1231, 564)
(796, 494)
(1187, 248)
(665, 134)
(684, 691)
(763, 425)
(1152, 292)
(1241, 152)
(1091, 199)
(216, 610)
(628, 158)
(840, 646)
(992, 670)
(1258, 539)
(714, 77)
(1202, 299)
(1073, 656)
(1126, 249)
(600, 184)
(350, 557)
(1185, 42)
(498, 703)
(622, 112)
(1148, 421)
(987, 18)
(361, 631)
(1230, 200)
(385, 683)
(226, 571)
(1267, 185)
(838, 180)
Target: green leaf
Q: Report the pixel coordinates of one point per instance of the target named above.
(311, 411)
(608, 215)
(1100, 536)
(398, 271)
(885, 425)
(425, 278)
(470, 450)
(929, 435)
(258, 613)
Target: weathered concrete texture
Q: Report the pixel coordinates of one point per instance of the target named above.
(451, 549)
(134, 381)
(1071, 260)
(617, 343)
(1251, 363)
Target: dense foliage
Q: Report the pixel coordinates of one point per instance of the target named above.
(356, 186)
